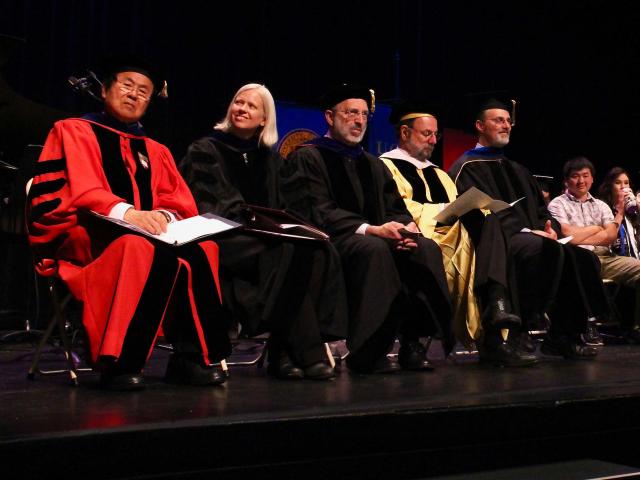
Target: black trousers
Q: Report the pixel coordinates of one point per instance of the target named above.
(192, 313)
(561, 280)
(283, 288)
(391, 292)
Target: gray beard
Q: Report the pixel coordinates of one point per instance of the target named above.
(500, 143)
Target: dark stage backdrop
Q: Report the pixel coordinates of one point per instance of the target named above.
(574, 68)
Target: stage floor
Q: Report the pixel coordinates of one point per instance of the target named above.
(461, 412)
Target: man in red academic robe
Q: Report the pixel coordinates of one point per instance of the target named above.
(129, 286)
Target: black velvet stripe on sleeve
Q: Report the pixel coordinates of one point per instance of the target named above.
(50, 166)
(43, 188)
(42, 209)
(143, 174)
(113, 163)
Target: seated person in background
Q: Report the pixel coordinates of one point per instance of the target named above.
(594, 225)
(129, 286)
(615, 181)
(426, 190)
(561, 280)
(292, 289)
(395, 277)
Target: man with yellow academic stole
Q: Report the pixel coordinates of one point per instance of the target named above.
(426, 190)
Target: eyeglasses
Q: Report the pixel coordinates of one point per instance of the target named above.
(353, 113)
(428, 133)
(128, 87)
(501, 121)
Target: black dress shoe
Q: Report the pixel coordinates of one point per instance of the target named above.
(319, 371)
(188, 370)
(382, 365)
(413, 356)
(505, 355)
(284, 368)
(522, 341)
(633, 336)
(121, 382)
(497, 316)
(568, 347)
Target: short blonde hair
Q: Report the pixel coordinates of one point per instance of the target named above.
(268, 133)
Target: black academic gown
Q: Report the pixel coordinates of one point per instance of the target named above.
(562, 280)
(294, 290)
(343, 188)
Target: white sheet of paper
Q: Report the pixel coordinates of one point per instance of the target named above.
(191, 228)
(182, 231)
(470, 200)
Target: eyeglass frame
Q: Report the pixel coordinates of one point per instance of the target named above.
(352, 113)
(127, 89)
(501, 121)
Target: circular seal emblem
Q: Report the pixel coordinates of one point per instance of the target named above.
(294, 138)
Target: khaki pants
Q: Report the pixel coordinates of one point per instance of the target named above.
(622, 270)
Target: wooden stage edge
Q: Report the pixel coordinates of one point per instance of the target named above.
(461, 419)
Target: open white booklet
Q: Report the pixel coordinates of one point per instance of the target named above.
(182, 231)
(470, 200)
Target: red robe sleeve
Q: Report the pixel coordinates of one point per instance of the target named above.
(68, 177)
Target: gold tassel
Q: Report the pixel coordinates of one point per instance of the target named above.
(513, 113)
(373, 100)
(164, 92)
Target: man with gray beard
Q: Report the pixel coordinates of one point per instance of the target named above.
(395, 278)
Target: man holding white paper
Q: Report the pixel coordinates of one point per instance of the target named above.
(129, 286)
(551, 278)
(428, 193)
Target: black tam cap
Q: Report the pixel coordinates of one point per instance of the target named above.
(344, 92)
(128, 63)
(479, 102)
(468, 108)
(406, 110)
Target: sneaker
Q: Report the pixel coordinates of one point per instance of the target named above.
(592, 336)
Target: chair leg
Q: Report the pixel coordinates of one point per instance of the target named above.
(224, 367)
(56, 320)
(43, 341)
(73, 373)
(332, 361)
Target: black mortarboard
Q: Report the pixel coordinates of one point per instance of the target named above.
(466, 109)
(405, 110)
(345, 91)
(129, 63)
(479, 102)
